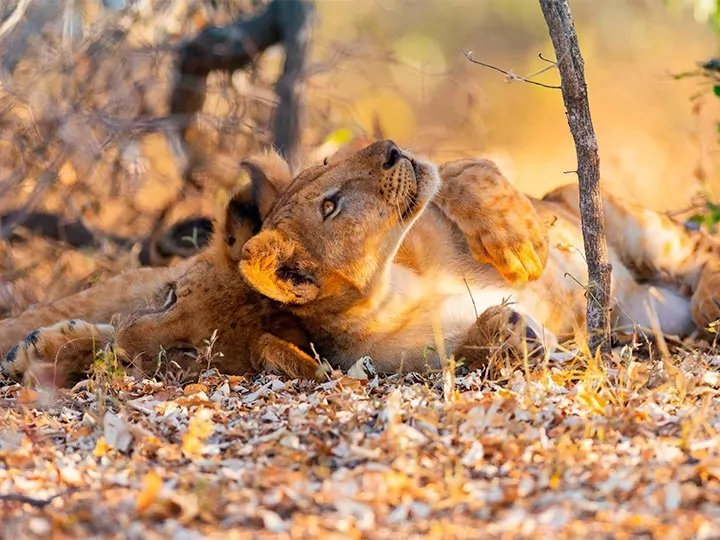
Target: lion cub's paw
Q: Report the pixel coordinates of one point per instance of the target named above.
(500, 224)
(502, 332)
(705, 301)
(283, 357)
(63, 350)
(518, 254)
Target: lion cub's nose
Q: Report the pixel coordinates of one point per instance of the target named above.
(392, 155)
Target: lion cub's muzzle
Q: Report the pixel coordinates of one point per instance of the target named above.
(398, 179)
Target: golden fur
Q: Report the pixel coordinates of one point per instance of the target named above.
(372, 254)
(375, 279)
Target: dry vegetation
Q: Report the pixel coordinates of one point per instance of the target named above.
(568, 447)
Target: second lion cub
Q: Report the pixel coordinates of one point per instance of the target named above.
(163, 311)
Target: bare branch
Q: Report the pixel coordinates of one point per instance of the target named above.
(37, 503)
(510, 76)
(236, 46)
(541, 70)
(14, 18)
(541, 57)
(293, 20)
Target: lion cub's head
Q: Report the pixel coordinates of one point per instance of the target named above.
(335, 228)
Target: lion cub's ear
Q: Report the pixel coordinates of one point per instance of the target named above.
(238, 220)
(270, 176)
(273, 265)
(248, 204)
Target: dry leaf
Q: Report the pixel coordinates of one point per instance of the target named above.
(199, 429)
(117, 432)
(152, 485)
(101, 447)
(195, 388)
(28, 396)
(357, 371)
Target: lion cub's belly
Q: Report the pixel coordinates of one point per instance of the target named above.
(449, 303)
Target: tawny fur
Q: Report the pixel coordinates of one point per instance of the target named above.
(393, 265)
(373, 280)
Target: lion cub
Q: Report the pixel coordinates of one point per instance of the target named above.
(379, 253)
(181, 306)
(170, 309)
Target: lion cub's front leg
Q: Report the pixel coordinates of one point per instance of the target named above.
(499, 222)
(57, 353)
(283, 357)
(503, 333)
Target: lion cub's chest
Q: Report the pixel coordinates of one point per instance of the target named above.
(449, 300)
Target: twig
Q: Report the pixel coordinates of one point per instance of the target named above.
(510, 75)
(293, 19)
(574, 91)
(14, 18)
(37, 503)
(541, 70)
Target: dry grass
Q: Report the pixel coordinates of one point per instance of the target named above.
(567, 448)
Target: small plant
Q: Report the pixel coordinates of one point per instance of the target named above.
(106, 370)
(209, 355)
(106, 376)
(707, 216)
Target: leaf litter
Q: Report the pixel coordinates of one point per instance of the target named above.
(562, 450)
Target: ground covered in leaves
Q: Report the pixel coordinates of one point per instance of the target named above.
(565, 449)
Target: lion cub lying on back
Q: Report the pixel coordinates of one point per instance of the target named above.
(361, 255)
(167, 308)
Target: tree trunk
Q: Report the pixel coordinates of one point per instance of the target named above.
(282, 22)
(574, 91)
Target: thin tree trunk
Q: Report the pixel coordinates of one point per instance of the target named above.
(574, 91)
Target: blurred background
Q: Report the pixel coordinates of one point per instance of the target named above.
(85, 133)
(654, 142)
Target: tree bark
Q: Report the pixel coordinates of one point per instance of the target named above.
(234, 47)
(574, 91)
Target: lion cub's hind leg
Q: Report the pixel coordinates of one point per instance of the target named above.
(57, 354)
(503, 334)
(705, 301)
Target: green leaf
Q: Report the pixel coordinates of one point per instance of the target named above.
(712, 207)
(716, 90)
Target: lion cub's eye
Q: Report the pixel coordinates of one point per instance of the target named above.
(328, 207)
(171, 297)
